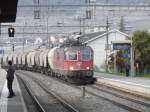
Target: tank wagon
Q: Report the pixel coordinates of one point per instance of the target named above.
(72, 62)
(4, 61)
(15, 59)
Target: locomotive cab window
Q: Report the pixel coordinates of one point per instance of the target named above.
(71, 55)
(85, 55)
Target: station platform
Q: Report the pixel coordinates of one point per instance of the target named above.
(135, 85)
(15, 104)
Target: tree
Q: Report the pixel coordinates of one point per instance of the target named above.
(141, 43)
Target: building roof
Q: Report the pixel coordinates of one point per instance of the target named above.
(8, 10)
(90, 36)
(93, 36)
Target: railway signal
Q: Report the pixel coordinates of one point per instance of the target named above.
(11, 32)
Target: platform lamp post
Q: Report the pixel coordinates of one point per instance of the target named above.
(132, 58)
(107, 44)
(48, 44)
(11, 32)
(47, 33)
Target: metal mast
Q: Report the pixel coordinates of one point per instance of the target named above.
(107, 45)
(37, 9)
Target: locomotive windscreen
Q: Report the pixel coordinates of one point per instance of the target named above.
(75, 53)
(86, 55)
(71, 55)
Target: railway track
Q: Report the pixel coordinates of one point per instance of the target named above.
(39, 105)
(35, 100)
(115, 93)
(91, 90)
(120, 104)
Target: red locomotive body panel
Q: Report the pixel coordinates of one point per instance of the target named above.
(63, 62)
(74, 63)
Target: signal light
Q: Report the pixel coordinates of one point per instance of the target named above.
(11, 32)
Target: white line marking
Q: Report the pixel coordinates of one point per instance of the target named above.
(129, 83)
(22, 100)
(4, 99)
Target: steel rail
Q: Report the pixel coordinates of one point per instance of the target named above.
(38, 105)
(120, 96)
(62, 101)
(101, 97)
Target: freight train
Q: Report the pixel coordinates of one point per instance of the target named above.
(72, 61)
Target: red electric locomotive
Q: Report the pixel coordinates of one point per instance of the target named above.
(72, 61)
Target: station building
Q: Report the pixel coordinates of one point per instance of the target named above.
(97, 41)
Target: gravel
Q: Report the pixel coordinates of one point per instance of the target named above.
(74, 96)
(47, 101)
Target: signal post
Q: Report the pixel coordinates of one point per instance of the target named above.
(11, 33)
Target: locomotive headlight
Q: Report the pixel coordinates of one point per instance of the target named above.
(87, 68)
(71, 68)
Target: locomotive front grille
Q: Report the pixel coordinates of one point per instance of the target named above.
(80, 74)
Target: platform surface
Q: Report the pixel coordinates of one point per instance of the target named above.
(136, 80)
(137, 85)
(15, 104)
